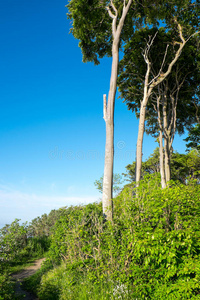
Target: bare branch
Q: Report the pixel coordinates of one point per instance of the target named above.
(148, 47)
(163, 60)
(124, 13)
(110, 13)
(180, 32)
(113, 16)
(113, 7)
(192, 35)
(162, 76)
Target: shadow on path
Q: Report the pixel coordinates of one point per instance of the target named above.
(19, 277)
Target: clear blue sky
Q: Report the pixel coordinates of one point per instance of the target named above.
(52, 132)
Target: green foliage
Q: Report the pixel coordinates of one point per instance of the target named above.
(72, 233)
(151, 251)
(17, 247)
(41, 226)
(194, 138)
(185, 73)
(186, 166)
(13, 238)
(117, 182)
(6, 288)
(19, 244)
(149, 166)
(183, 166)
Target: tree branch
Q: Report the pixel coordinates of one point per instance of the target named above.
(178, 53)
(113, 7)
(110, 13)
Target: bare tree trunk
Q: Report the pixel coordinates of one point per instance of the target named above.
(109, 109)
(109, 148)
(140, 141)
(147, 93)
(162, 169)
(166, 143)
(167, 161)
(108, 172)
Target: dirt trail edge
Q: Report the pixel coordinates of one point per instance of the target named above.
(19, 277)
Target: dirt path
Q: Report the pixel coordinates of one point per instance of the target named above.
(19, 277)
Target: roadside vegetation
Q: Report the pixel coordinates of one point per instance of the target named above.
(151, 250)
(21, 245)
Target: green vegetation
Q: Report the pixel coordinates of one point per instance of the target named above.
(150, 251)
(145, 243)
(183, 166)
(20, 245)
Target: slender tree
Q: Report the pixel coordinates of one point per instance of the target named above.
(103, 27)
(160, 55)
(109, 107)
(99, 25)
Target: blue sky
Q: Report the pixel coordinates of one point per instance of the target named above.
(52, 132)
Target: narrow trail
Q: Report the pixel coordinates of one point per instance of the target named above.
(20, 276)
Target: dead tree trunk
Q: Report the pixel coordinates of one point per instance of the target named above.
(109, 109)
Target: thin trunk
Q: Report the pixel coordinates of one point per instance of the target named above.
(140, 142)
(109, 110)
(109, 148)
(162, 170)
(147, 92)
(166, 143)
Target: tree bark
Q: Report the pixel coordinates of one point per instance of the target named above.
(166, 143)
(162, 169)
(109, 110)
(140, 140)
(109, 148)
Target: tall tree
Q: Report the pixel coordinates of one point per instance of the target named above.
(99, 25)
(136, 83)
(91, 26)
(109, 107)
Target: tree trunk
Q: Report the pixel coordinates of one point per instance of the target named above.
(140, 141)
(108, 172)
(166, 143)
(109, 149)
(162, 169)
(167, 161)
(109, 111)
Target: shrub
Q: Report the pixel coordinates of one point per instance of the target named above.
(6, 288)
(151, 251)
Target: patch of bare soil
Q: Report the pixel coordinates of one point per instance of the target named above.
(19, 277)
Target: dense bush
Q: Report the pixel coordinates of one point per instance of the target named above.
(6, 288)
(151, 251)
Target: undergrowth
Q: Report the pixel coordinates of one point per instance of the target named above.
(150, 251)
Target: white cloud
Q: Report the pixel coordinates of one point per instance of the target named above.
(24, 206)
